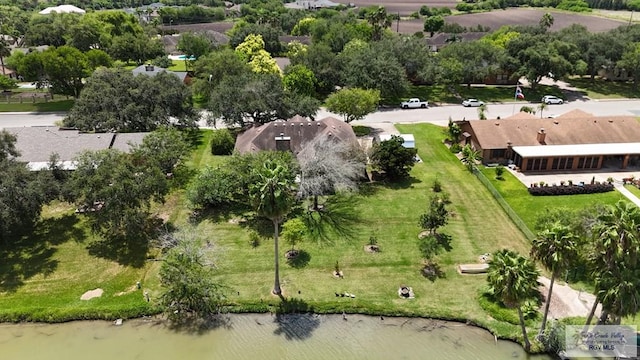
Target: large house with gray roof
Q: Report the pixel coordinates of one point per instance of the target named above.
(570, 142)
(292, 135)
(37, 144)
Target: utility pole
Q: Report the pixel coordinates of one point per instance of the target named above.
(398, 23)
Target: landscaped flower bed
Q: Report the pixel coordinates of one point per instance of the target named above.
(572, 189)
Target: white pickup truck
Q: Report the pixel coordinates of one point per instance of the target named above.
(414, 103)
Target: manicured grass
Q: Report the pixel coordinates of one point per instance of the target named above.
(178, 65)
(437, 94)
(529, 207)
(28, 106)
(389, 212)
(602, 89)
(44, 275)
(633, 189)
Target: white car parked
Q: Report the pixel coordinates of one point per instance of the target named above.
(550, 99)
(472, 102)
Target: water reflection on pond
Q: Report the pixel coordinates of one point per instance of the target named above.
(259, 336)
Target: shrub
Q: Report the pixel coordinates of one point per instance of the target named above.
(212, 187)
(360, 130)
(222, 142)
(464, 7)
(497, 310)
(499, 172)
(437, 186)
(455, 148)
(571, 189)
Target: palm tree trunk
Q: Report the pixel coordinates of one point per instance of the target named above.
(546, 305)
(527, 344)
(276, 285)
(315, 202)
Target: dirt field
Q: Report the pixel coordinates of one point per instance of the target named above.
(498, 18)
(494, 19)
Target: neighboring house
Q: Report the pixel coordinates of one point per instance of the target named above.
(62, 9)
(11, 74)
(146, 13)
(291, 135)
(152, 70)
(573, 141)
(37, 144)
(311, 4)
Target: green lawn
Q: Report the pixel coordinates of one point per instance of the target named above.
(530, 207)
(45, 276)
(391, 214)
(602, 89)
(436, 94)
(633, 189)
(50, 106)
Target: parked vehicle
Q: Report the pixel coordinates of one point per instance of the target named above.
(550, 99)
(414, 103)
(472, 102)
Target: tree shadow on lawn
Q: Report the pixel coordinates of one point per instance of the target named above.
(30, 252)
(295, 319)
(129, 249)
(405, 183)
(218, 214)
(300, 260)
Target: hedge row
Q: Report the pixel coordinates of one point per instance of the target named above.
(570, 189)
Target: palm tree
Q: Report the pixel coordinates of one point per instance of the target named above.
(555, 247)
(513, 279)
(379, 21)
(482, 112)
(542, 107)
(615, 259)
(470, 157)
(273, 197)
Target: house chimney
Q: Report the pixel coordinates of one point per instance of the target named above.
(148, 67)
(541, 136)
(283, 143)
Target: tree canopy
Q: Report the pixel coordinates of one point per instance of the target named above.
(393, 159)
(117, 100)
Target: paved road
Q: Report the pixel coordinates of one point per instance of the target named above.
(440, 114)
(437, 114)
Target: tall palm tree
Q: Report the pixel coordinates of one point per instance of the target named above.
(273, 197)
(615, 259)
(513, 279)
(555, 247)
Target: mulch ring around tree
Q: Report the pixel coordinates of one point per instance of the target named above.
(372, 249)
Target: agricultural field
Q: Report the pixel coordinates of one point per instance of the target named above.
(520, 16)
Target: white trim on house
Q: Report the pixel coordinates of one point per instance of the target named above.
(577, 150)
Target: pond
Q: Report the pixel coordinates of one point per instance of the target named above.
(259, 336)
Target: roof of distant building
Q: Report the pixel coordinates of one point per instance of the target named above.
(152, 70)
(62, 9)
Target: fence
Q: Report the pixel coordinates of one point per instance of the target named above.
(503, 203)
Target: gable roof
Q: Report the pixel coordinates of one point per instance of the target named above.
(299, 131)
(495, 134)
